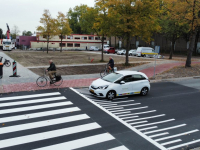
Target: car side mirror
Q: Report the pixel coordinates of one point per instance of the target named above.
(122, 82)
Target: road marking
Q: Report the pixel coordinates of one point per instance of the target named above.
(43, 123)
(165, 129)
(131, 109)
(122, 112)
(145, 118)
(138, 113)
(108, 105)
(154, 123)
(138, 122)
(170, 142)
(123, 122)
(29, 96)
(130, 117)
(177, 146)
(158, 134)
(116, 108)
(124, 101)
(125, 115)
(32, 101)
(148, 128)
(131, 104)
(119, 148)
(40, 114)
(34, 107)
(113, 102)
(75, 144)
(48, 135)
(168, 137)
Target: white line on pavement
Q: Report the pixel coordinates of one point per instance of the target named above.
(130, 117)
(119, 148)
(170, 142)
(156, 135)
(138, 122)
(131, 109)
(145, 118)
(188, 143)
(148, 128)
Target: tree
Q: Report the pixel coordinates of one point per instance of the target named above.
(135, 18)
(1, 33)
(15, 31)
(27, 33)
(48, 29)
(62, 27)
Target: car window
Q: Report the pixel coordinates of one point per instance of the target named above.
(112, 77)
(125, 79)
(137, 77)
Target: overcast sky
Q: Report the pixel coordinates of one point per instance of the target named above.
(26, 14)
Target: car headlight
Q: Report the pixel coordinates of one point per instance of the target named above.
(103, 87)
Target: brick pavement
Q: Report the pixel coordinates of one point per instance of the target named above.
(80, 82)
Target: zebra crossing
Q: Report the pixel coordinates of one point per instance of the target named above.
(158, 129)
(50, 121)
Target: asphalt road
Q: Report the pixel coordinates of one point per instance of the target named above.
(167, 118)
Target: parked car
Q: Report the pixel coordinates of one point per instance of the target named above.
(141, 51)
(121, 52)
(132, 52)
(105, 46)
(94, 48)
(116, 50)
(120, 83)
(109, 50)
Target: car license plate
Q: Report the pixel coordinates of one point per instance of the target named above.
(91, 90)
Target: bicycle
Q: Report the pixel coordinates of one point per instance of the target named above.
(42, 80)
(105, 71)
(6, 63)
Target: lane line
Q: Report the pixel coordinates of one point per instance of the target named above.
(34, 107)
(123, 122)
(47, 135)
(165, 129)
(156, 135)
(119, 108)
(75, 144)
(130, 117)
(29, 96)
(40, 114)
(146, 118)
(120, 116)
(131, 109)
(43, 123)
(148, 128)
(107, 107)
(138, 122)
(122, 112)
(130, 104)
(119, 148)
(125, 101)
(141, 112)
(113, 102)
(154, 123)
(170, 142)
(32, 101)
(168, 137)
(188, 143)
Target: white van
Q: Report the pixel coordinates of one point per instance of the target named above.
(141, 51)
(105, 46)
(94, 48)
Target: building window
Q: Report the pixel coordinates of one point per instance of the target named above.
(77, 38)
(77, 45)
(44, 36)
(97, 38)
(91, 38)
(69, 44)
(69, 37)
(84, 37)
(63, 45)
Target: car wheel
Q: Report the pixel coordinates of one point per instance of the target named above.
(111, 95)
(144, 91)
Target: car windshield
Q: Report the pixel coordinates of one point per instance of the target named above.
(112, 77)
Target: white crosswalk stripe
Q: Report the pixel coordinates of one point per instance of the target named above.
(48, 121)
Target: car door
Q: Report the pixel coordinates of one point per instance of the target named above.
(138, 82)
(126, 88)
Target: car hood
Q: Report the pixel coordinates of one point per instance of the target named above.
(99, 82)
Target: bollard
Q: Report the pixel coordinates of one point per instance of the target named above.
(92, 60)
(14, 69)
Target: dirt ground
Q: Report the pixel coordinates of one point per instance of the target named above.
(179, 72)
(39, 58)
(77, 70)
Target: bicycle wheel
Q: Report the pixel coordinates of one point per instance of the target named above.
(103, 73)
(57, 83)
(41, 81)
(7, 64)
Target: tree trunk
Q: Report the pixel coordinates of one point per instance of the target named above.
(61, 43)
(47, 44)
(191, 47)
(102, 43)
(127, 49)
(172, 49)
(115, 42)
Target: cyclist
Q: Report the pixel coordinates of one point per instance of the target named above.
(51, 70)
(110, 64)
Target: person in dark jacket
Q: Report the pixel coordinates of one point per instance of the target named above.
(51, 70)
(110, 64)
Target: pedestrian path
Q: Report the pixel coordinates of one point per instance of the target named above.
(50, 121)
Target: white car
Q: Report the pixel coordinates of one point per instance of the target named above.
(121, 52)
(94, 48)
(120, 83)
(132, 52)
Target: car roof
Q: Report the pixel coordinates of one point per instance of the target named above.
(126, 72)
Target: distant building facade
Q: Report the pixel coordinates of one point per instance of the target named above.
(22, 41)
